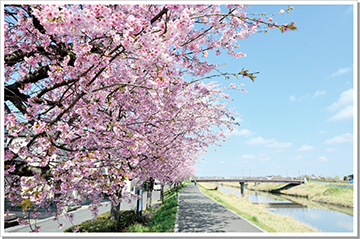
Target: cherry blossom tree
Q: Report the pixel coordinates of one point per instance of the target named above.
(98, 94)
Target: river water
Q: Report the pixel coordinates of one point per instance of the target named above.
(318, 216)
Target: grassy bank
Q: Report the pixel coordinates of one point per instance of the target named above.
(321, 193)
(336, 196)
(314, 204)
(256, 214)
(161, 219)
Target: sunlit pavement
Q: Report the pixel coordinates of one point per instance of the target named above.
(199, 213)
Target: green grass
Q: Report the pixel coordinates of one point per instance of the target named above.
(316, 192)
(163, 219)
(324, 193)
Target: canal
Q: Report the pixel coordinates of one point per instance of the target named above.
(322, 217)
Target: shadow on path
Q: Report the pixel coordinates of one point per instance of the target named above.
(199, 213)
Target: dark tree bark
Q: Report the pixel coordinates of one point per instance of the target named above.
(162, 193)
(23, 169)
(149, 192)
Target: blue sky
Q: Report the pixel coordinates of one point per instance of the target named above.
(298, 115)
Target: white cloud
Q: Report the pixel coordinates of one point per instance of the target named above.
(305, 148)
(346, 98)
(341, 71)
(222, 162)
(260, 157)
(340, 139)
(259, 140)
(248, 156)
(318, 93)
(345, 102)
(303, 97)
(271, 143)
(279, 145)
(323, 158)
(344, 114)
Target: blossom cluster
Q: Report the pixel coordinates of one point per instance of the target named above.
(106, 98)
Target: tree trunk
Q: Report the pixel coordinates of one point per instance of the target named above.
(149, 192)
(148, 201)
(162, 193)
(115, 212)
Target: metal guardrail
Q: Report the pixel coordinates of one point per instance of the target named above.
(245, 180)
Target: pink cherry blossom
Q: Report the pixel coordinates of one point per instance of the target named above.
(98, 94)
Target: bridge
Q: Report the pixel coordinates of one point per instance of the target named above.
(244, 180)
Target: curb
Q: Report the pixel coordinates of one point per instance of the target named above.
(176, 228)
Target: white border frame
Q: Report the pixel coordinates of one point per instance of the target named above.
(355, 125)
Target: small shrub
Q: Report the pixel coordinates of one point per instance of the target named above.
(138, 228)
(254, 219)
(103, 224)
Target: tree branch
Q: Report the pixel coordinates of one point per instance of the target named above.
(23, 169)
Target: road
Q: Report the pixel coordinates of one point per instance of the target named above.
(200, 213)
(82, 214)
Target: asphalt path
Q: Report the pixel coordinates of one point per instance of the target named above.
(80, 215)
(200, 213)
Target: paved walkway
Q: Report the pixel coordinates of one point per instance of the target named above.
(199, 213)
